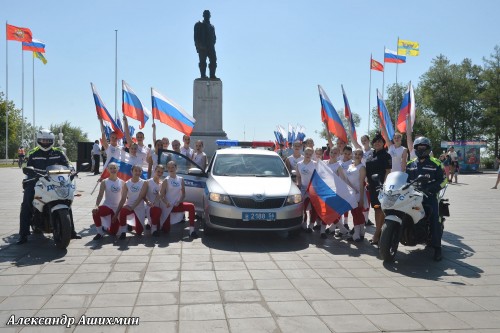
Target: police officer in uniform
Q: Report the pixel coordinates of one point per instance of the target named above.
(430, 167)
(204, 40)
(39, 158)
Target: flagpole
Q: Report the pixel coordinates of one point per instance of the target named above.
(369, 95)
(116, 74)
(34, 127)
(152, 111)
(383, 76)
(397, 90)
(22, 100)
(6, 95)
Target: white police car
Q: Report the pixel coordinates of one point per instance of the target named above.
(243, 189)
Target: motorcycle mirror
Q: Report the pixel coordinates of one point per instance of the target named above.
(376, 178)
(422, 179)
(29, 171)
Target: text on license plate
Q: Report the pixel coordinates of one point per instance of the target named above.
(249, 216)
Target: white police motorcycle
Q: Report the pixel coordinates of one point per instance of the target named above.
(54, 194)
(405, 219)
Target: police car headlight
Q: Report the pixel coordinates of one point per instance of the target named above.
(293, 199)
(62, 191)
(220, 198)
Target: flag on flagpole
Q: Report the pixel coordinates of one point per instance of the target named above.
(283, 133)
(406, 47)
(329, 194)
(348, 116)
(35, 46)
(103, 114)
(40, 56)
(171, 114)
(132, 106)
(330, 116)
(290, 133)
(385, 119)
(392, 57)
(19, 34)
(301, 135)
(407, 108)
(376, 66)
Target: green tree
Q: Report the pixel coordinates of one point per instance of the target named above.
(490, 97)
(451, 93)
(71, 136)
(15, 123)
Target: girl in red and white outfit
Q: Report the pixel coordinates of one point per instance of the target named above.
(133, 194)
(335, 166)
(172, 194)
(152, 199)
(111, 189)
(305, 170)
(356, 174)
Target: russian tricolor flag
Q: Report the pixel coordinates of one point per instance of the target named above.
(407, 108)
(124, 168)
(392, 57)
(348, 116)
(132, 106)
(103, 114)
(385, 118)
(171, 114)
(329, 194)
(35, 46)
(330, 117)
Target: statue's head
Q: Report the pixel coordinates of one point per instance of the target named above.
(206, 14)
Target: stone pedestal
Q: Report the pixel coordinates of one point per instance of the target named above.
(207, 110)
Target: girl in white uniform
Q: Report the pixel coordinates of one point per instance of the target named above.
(398, 153)
(305, 170)
(154, 204)
(133, 194)
(200, 157)
(292, 160)
(356, 174)
(345, 162)
(172, 193)
(111, 189)
(153, 157)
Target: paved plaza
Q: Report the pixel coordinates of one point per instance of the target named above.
(253, 282)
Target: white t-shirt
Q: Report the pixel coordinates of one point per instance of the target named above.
(112, 193)
(174, 189)
(333, 166)
(353, 176)
(189, 152)
(306, 171)
(293, 161)
(200, 159)
(345, 164)
(397, 157)
(453, 155)
(134, 189)
(113, 151)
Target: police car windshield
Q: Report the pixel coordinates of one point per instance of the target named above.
(245, 165)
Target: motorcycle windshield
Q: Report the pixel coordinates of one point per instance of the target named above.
(58, 169)
(396, 180)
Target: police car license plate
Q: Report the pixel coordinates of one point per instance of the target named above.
(251, 216)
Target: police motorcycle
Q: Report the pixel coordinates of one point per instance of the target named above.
(405, 218)
(54, 194)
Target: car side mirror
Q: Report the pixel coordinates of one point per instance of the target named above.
(195, 172)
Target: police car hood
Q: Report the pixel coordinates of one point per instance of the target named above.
(250, 186)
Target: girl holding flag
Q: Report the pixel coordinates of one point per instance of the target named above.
(356, 174)
(305, 169)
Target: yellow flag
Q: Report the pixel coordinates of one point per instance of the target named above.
(406, 47)
(40, 56)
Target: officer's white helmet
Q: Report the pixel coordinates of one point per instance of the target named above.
(45, 139)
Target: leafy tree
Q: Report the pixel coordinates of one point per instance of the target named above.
(451, 93)
(490, 97)
(72, 135)
(15, 123)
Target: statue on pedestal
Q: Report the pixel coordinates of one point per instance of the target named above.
(204, 40)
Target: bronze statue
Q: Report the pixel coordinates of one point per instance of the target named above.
(204, 40)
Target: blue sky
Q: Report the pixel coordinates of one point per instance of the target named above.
(271, 55)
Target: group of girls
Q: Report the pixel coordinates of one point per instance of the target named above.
(153, 199)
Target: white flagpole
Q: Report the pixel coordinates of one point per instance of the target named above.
(6, 95)
(116, 75)
(369, 95)
(22, 99)
(397, 95)
(34, 126)
(383, 76)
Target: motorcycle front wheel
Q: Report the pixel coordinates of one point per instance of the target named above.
(389, 240)
(62, 228)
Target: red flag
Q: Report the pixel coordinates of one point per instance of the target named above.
(19, 34)
(376, 66)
